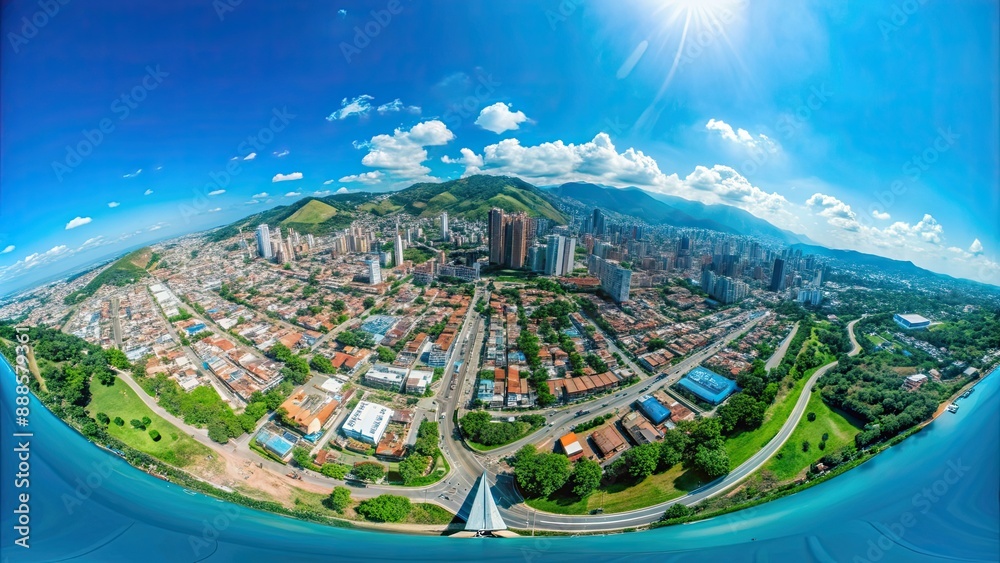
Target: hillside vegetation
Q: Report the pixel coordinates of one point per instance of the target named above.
(128, 269)
(309, 215)
(469, 198)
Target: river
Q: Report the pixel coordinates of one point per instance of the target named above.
(933, 497)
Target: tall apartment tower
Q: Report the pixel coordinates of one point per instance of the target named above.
(778, 276)
(496, 235)
(374, 271)
(264, 242)
(444, 226)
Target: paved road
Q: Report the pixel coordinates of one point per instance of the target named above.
(116, 322)
(521, 516)
(779, 354)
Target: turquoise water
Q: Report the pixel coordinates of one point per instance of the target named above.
(934, 497)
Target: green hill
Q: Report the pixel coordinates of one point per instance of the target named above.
(127, 269)
(469, 198)
(310, 215)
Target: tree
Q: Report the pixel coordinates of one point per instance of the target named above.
(413, 467)
(540, 474)
(339, 499)
(338, 306)
(672, 448)
(677, 510)
(322, 364)
(103, 418)
(334, 470)
(218, 432)
(137, 424)
(368, 303)
(642, 460)
(741, 411)
(146, 421)
(805, 445)
(369, 471)
(154, 435)
(586, 477)
(385, 508)
(811, 416)
(117, 358)
(386, 355)
(118, 421)
(713, 462)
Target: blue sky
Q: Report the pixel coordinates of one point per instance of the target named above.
(871, 126)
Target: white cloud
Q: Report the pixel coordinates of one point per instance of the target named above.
(10, 248)
(235, 158)
(372, 177)
(250, 156)
(293, 194)
(836, 212)
(261, 195)
(473, 162)
(880, 215)
(328, 182)
(926, 230)
(321, 193)
(360, 105)
(113, 204)
(216, 210)
(342, 13)
(280, 154)
(216, 192)
(77, 222)
(498, 118)
(147, 192)
(251, 202)
(741, 136)
(132, 174)
(402, 154)
(976, 247)
(397, 105)
(342, 190)
(286, 177)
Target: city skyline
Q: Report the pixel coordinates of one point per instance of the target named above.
(801, 146)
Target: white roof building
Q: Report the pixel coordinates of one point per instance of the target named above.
(367, 422)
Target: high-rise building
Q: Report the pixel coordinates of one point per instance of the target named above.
(264, 242)
(778, 276)
(398, 258)
(598, 222)
(374, 271)
(569, 256)
(615, 280)
(555, 247)
(537, 258)
(444, 226)
(519, 237)
(311, 241)
(497, 222)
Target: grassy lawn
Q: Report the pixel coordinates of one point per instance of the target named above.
(175, 447)
(840, 428)
(420, 513)
(875, 339)
(623, 496)
(482, 448)
(427, 513)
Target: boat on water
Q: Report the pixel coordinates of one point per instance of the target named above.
(953, 407)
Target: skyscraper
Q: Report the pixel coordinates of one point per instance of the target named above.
(444, 226)
(598, 222)
(520, 225)
(374, 271)
(264, 242)
(615, 280)
(554, 255)
(569, 255)
(496, 235)
(778, 276)
(399, 250)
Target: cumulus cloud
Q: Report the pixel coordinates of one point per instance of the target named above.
(498, 118)
(250, 156)
(10, 248)
(976, 247)
(261, 195)
(741, 136)
(328, 182)
(360, 105)
(147, 192)
(293, 194)
(836, 212)
(342, 190)
(402, 154)
(372, 177)
(321, 193)
(216, 192)
(397, 105)
(132, 174)
(281, 154)
(927, 230)
(216, 210)
(113, 204)
(286, 177)
(77, 222)
(880, 215)
(342, 13)
(473, 162)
